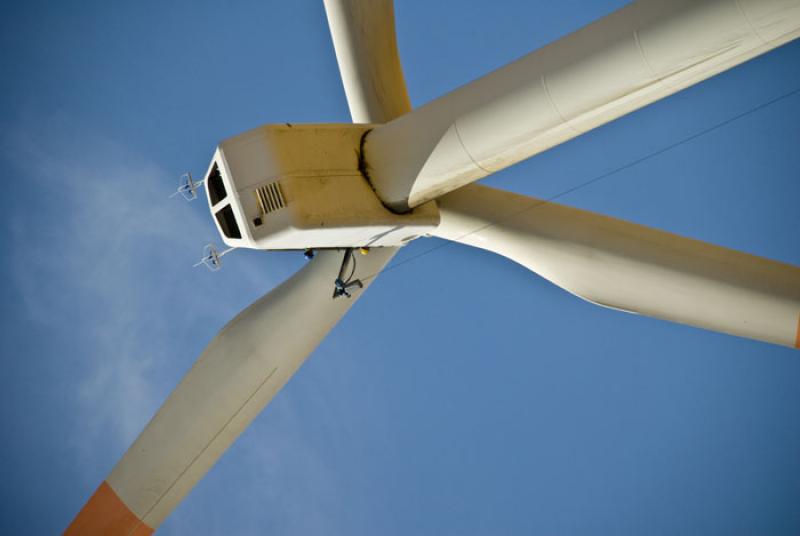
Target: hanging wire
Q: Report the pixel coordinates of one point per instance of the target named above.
(539, 202)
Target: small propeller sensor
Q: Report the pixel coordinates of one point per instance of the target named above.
(188, 187)
(212, 257)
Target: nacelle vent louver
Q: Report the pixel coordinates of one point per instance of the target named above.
(270, 198)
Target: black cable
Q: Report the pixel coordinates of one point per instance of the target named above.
(353, 271)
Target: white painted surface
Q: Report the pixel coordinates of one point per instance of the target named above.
(630, 267)
(240, 371)
(635, 56)
(327, 202)
(601, 259)
(251, 359)
(366, 50)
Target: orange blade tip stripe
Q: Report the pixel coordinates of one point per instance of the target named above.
(106, 514)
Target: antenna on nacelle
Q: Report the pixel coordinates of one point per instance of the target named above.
(188, 187)
(212, 258)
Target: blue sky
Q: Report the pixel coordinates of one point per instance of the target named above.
(463, 394)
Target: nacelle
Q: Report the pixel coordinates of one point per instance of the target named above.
(299, 186)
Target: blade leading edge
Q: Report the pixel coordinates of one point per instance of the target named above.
(631, 267)
(239, 372)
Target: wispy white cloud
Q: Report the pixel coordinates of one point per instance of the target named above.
(102, 252)
(103, 258)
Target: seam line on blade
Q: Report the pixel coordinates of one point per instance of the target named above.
(749, 23)
(205, 448)
(463, 146)
(647, 62)
(555, 108)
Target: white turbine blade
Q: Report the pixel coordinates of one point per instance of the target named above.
(366, 50)
(239, 372)
(630, 267)
(634, 57)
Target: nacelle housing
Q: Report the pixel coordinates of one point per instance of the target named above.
(299, 186)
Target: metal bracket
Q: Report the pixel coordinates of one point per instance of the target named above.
(342, 286)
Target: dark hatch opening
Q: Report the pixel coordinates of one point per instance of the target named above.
(216, 188)
(227, 222)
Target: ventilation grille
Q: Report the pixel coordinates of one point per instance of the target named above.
(269, 198)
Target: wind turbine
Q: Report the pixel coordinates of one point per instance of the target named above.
(398, 174)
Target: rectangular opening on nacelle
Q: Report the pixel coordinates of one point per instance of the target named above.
(227, 222)
(216, 188)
